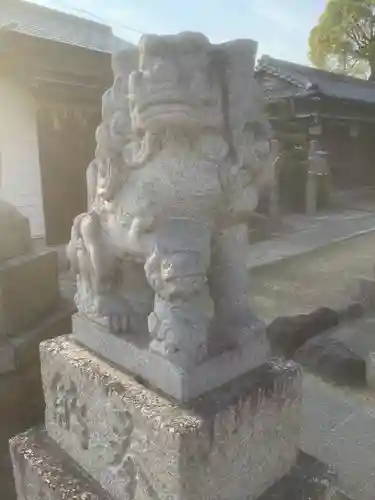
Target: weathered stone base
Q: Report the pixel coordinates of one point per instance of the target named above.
(21, 395)
(23, 349)
(233, 443)
(134, 356)
(15, 232)
(42, 471)
(29, 290)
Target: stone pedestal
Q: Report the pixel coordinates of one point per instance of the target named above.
(238, 441)
(132, 354)
(43, 471)
(21, 394)
(232, 443)
(31, 310)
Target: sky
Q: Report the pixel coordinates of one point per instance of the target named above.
(280, 26)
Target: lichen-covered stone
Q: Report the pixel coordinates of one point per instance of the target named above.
(240, 438)
(42, 471)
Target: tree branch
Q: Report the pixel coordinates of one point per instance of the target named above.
(354, 37)
(361, 31)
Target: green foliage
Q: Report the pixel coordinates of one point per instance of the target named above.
(344, 39)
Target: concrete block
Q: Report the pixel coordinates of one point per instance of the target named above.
(8, 491)
(231, 444)
(41, 471)
(21, 402)
(28, 290)
(21, 394)
(22, 349)
(132, 354)
(15, 232)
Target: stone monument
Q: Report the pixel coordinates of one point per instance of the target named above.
(166, 389)
(30, 311)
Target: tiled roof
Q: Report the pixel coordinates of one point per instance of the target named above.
(41, 22)
(310, 81)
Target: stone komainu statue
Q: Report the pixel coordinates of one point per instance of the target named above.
(181, 157)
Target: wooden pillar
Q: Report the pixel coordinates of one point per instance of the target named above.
(311, 201)
(317, 167)
(311, 181)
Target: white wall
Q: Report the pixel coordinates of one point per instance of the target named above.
(20, 178)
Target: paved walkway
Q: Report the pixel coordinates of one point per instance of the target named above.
(306, 234)
(338, 427)
(325, 277)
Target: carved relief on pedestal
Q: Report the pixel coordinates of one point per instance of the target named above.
(123, 464)
(69, 411)
(181, 158)
(102, 435)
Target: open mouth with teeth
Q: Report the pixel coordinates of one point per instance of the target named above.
(173, 112)
(160, 104)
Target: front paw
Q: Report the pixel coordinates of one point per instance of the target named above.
(117, 313)
(118, 323)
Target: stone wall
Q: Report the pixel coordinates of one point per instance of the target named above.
(20, 179)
